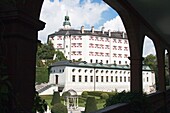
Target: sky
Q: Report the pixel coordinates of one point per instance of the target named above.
(85, 13)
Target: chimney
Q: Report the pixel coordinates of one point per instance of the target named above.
(92, 29)
(82, 29)
(102, 30)
(109, 32)
(123, 34)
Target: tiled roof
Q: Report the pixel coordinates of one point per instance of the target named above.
(116, 34)
(95, 65)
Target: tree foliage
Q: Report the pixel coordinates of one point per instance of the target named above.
(59, 108)
(56, 98)
(151, 61)
(46, 53)
(90, 105)
(139, 103)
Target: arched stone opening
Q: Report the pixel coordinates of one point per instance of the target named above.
(150, 62)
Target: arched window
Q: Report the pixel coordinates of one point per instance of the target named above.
(73, 70)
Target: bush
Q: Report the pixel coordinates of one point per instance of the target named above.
(90, 105)
(138, 102)
(59, 108)
(95, 93)
(84, 94)
(40, 105)
(56, 98)
(66, 94)
(41, 75)
(98, 93)
(104, 96)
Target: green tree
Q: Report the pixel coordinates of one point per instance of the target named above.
(59, 108)
(151, 61)
(47, 52)
(59, 56)
(56, 98)
(90, 105)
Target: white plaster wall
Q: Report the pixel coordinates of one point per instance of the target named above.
(66, 80)
(85, 49)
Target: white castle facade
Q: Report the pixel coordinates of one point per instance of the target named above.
(106, 64)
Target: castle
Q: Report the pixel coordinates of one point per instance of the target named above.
(104, 62)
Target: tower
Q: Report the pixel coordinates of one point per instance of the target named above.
(66, 23)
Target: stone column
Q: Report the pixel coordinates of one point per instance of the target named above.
(169, 65)
(161, 65)
(19, 45)
(136, 75)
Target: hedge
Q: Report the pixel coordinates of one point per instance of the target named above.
(59, 108)
(90, 105)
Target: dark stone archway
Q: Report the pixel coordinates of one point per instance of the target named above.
(19, 26)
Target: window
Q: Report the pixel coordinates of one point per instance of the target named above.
(97, 71)
(124, 79)
(96, 61)
(119, 62)
(114, 55)
(85, 71)
(79, 78)
(85, 79)
(111, 78)
(120, 79)
(91, 78)
(125, 62)
(128, 79)
(107, 71)
(91, 60)
(79, 70)
(101, 71)
(73, 70)
(106, 61)
(91, 71)
(114, 40)
(147, 79)
(125, 42)
(111, 72)
(101, 78)
(114, 48)
(119, 55)
(107, 79)
(119, 41)
(97, 78)
(60, 70)
(116, 79)
(73, 78)
(63, 70)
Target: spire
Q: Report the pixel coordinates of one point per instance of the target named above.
(66, 23)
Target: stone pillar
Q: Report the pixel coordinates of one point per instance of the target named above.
(169, 65)
(161, 65)
(19, 45)
(136, 75)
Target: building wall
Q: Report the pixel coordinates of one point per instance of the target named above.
(93, 49)
(113, 79)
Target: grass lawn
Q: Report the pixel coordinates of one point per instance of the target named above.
(82, 101)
